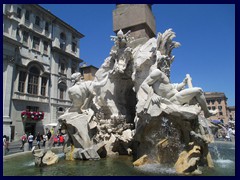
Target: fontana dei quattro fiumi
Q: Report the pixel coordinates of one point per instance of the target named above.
(133, 110)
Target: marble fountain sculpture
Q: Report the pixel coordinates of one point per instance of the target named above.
(132, 108)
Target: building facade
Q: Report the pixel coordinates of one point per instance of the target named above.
(40, 52)
(218, 100)
(88, 72)
(231, 115)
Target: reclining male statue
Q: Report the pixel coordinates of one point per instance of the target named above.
(158, 88)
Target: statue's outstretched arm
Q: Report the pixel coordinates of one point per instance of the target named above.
(181, 85)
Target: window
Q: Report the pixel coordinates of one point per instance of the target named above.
(74, 47)
(43, 86)
(209, 108)
(61, 93)
(62, 36)
(37, 20)
(25, 37)
(46, 26)
(17, 33)
(36, 42)
(19, 10)
(32, 108)
(219, 101)
(212, 101)
(62, 87)
(61, 109)
(220, 108)
(208, 102)
(33, 80)
(62, 68)
(213, 107)
(21, 82)
(27, 15)
(220, 113)
(62, 41)
(45, 47)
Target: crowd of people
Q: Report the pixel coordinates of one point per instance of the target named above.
(49, 138)
(226, 133)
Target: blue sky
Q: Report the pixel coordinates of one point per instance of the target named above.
(206, 33)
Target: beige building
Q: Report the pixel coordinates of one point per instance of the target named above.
(88, 72)
(218, 100)
(40, 52)
(231, 115)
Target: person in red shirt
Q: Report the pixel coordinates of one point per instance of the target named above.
(24, 140)
(56, 141)
(61, 140)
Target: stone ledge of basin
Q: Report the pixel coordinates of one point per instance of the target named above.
(9, 156)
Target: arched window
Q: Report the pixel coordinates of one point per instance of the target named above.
(61, 109)
(33, 80)
(62, 89)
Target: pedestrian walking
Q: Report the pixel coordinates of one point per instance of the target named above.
(45, 138)
(24, 140)
(5, 143)
(49, 134)
(30, 141)
(38, 139)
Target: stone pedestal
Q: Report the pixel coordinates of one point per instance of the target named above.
(135, 17)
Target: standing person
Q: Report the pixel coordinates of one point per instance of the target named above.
(30, 141)
(45, 137)
(49, 134)
(38, 139)
(24, 140)
(52, 131)
(61, 139)
(5, 143)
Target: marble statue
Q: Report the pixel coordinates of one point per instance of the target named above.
(158, 88)
(132, 108)
(82, 92)
(121, 53)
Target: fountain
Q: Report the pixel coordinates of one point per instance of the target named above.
(131, 115)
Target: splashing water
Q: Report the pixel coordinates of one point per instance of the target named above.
(29, 164)
(217, 153)
(224, 162)
(157, 168)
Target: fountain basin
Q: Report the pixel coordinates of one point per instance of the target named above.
(22, 164)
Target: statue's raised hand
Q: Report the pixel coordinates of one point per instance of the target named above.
(156, 99)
